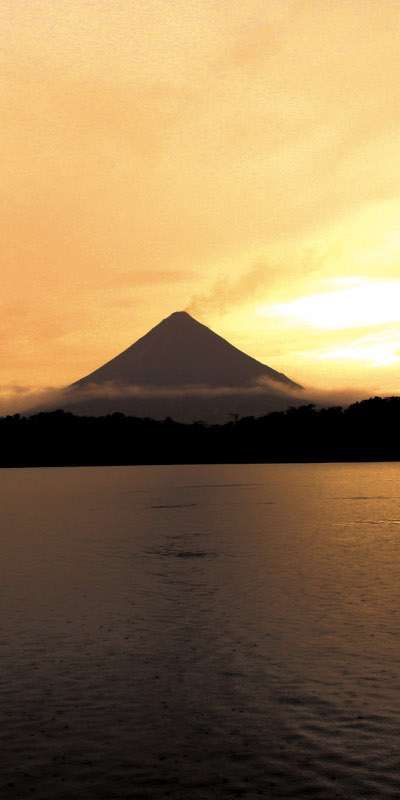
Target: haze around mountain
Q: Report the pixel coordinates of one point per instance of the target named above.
(181, 368)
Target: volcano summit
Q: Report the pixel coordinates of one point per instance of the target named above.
(182, 369)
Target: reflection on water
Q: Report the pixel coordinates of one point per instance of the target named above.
(201, 631)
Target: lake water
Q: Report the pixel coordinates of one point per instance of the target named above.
(200, 632)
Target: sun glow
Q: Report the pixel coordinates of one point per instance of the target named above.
(376, 353)
(359, 304)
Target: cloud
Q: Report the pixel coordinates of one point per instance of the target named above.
(30, 400)
(362, 303)
(327, 398)
(16, 399)
(117, 390)
(379, 349)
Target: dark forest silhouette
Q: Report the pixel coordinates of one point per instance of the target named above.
(364, 431)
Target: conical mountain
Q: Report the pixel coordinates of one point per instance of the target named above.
(184, 370)
(181, 352)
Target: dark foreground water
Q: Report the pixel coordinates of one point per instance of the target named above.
(200, 632)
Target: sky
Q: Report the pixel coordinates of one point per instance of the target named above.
(237, 159)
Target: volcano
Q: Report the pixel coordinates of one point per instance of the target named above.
(181, 368)
(181, 352)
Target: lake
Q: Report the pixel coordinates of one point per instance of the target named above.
(200, 632)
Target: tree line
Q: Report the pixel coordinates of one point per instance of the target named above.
(368, 430)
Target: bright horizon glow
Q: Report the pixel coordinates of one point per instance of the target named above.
(379, 355)
(379, 350)
(364, 303)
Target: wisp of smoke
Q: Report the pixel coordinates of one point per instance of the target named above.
(226, 293)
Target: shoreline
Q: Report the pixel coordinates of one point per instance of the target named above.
(188, 463)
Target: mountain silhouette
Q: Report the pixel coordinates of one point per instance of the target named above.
(180, 369)
(181, 352)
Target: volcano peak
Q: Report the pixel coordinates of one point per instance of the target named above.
(179, 315)
(178, 318)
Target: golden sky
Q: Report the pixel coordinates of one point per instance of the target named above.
(238, 158)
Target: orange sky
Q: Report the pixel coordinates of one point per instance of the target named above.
(239, 159)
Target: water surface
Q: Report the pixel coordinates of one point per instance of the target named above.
(200, 631)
